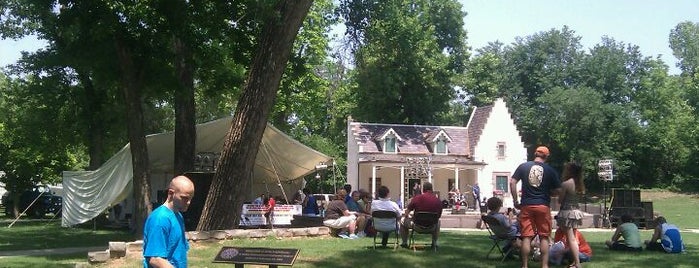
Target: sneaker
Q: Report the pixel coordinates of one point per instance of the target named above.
(353, 236)
(361, 234)
(343, 236)
(404, 245)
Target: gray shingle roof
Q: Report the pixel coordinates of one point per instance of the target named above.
(415, 138)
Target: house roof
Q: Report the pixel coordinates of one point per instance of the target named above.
(415, 138)
(476, 124)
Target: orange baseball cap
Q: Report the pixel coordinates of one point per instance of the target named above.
(543, 150)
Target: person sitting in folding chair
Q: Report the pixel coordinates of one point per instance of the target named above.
(427, 202)
(385, 226)
(501, 227)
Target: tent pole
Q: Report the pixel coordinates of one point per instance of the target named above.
(334, 176)
(279, 182)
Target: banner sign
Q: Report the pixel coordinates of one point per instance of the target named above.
(253, 215)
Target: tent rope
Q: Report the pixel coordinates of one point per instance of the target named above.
(279, 182)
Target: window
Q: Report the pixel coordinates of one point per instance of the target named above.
(390, 140)
(439, 143)
(440, 147)
(501, 150)
(378, 184)
(389, 144)
(501, 183)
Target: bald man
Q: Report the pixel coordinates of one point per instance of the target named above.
(164, 241)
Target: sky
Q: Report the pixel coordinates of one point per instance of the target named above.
(645, 23)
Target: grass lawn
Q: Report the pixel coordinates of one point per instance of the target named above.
(458, 248)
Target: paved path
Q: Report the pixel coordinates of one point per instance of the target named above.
(50, 251)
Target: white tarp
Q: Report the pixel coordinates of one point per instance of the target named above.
(89, 193)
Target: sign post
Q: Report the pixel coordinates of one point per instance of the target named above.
(606, 174)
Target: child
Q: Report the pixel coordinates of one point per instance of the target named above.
(669, 236)
(629, 231)
(566, 256)
(494, 205)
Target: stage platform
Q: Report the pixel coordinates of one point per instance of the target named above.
(463, 218)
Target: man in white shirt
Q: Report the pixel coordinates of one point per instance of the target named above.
(384, 203)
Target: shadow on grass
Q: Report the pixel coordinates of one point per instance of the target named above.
(24, 235)
(68, 260)
(458, 249)
(455, 250)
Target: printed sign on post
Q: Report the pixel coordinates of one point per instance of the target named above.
(606, 169)
(264, 256)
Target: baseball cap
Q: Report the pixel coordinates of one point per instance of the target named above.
(543, 150)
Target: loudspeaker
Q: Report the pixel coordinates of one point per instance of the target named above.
(202, 183)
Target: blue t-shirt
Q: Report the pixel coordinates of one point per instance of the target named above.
(163, 236)
(311, 206)
(352, 205)
(538, 179)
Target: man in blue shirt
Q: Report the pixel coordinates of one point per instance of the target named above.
(669, 236)
(164, 241)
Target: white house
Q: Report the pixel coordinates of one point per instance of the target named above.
(495, 140)
(486, 152)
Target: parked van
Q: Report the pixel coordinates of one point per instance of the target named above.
(322, 200)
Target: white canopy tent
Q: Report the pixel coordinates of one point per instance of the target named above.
(280, 160)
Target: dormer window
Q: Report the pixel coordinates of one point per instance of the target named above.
(440, 143)
(390, 141)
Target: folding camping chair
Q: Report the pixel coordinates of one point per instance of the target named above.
(385, 221)
(424, 223)
(498, 234)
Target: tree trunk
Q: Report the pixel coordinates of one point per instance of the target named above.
(95, 126)
(234, 169)
(185, 127)
(131, 84)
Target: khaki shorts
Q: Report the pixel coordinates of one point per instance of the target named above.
(342, 222)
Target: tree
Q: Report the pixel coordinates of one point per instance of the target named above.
(669, 132)
(614, 69)
(303, 98)
(484, 77)
(169, 42)
(408, 55)
(29, 152)
(684, 41)
(534, 65)
(225, 199)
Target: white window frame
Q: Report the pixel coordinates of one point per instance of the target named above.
(501, 150)
(506, 191)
